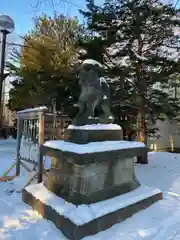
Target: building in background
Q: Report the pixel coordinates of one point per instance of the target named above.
(168, 135)
(8, 116)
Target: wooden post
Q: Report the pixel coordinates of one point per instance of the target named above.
(54, 120)
(40, 166)
(41, 128)
(18, 139)
(171, 143)
(155, 147)
(41, 141)
(6, 173)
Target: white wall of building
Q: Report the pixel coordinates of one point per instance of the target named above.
(8, 116)
(169, 131)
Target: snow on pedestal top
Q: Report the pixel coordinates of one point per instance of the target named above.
(97, 126)
(92, 146)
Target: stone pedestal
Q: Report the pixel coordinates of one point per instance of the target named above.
(95, 167)
(94, 133)
(88, 176)
(79, 222)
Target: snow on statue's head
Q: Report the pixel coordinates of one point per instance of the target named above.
(89, 64)
(90, 71)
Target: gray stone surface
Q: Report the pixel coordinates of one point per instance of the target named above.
(81, 136)
(92, 177)
(75, 232)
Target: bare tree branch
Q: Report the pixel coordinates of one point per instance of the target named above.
(54, 4)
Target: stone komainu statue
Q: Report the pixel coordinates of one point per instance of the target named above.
(94, 100)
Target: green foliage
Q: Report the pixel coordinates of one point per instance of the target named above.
(45, 66)
(140, 52)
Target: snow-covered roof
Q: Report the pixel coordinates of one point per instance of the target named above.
(42, 108)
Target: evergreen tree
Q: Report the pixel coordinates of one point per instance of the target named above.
(140, 51)
(45, 67)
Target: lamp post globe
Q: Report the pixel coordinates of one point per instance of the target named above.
(6, 24)
(6, 27)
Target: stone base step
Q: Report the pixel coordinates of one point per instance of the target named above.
(77, 222)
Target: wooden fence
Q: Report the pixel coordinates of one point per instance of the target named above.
(34, 127)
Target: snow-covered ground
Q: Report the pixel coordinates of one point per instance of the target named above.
(7, 154)
(159, 222)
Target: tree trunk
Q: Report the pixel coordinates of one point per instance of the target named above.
(143, 137)
(142, 93)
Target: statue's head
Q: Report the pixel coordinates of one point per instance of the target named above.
(90, 70)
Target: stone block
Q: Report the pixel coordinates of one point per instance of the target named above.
(92, 177)
(106, 214)
(81, 136)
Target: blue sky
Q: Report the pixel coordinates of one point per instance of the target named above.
(22, 12)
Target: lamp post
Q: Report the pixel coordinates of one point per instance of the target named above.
(6, 27)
